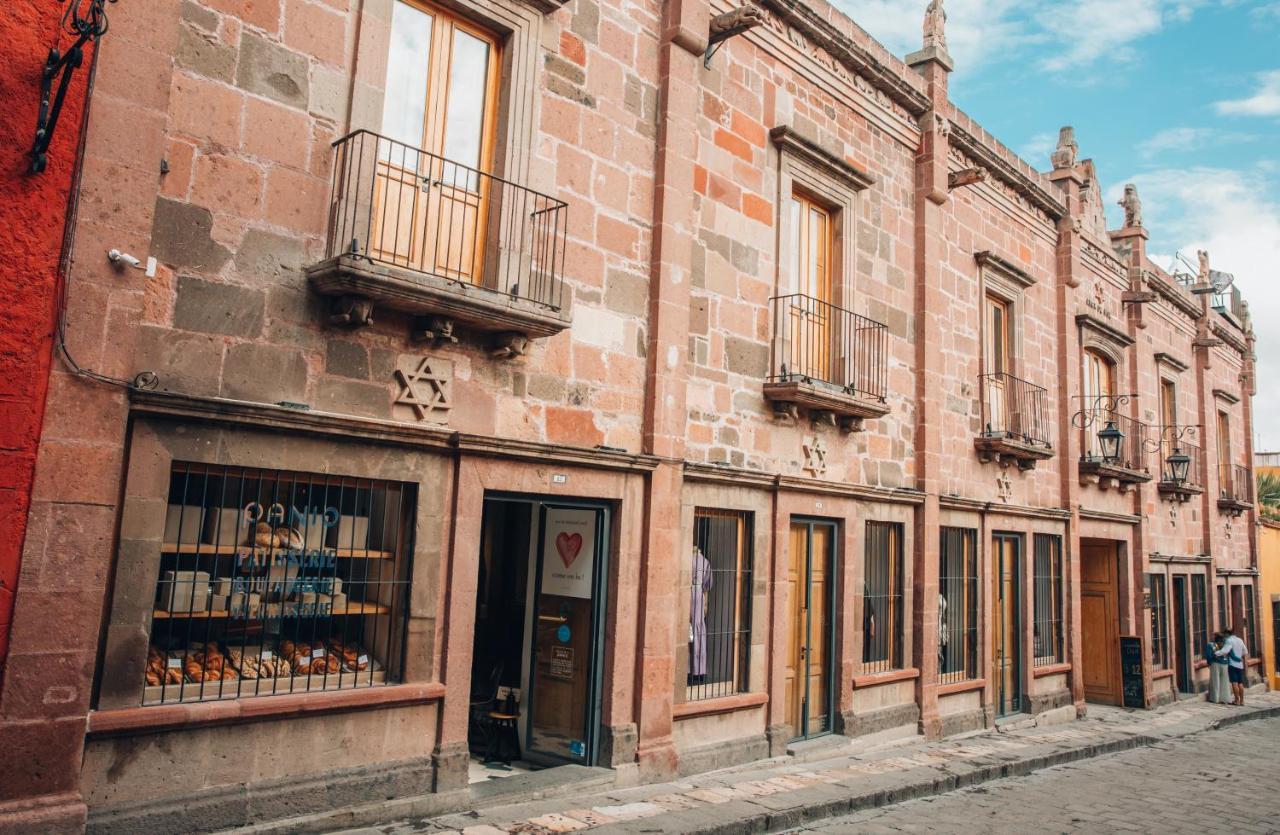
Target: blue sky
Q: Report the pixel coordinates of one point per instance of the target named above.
(1181, 97)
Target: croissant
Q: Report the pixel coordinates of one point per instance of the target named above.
(153, 678)
(172, 675)
(289, 538)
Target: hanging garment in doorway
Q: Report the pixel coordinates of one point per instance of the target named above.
(699, 589)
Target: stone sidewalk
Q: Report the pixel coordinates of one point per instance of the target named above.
(845, 777)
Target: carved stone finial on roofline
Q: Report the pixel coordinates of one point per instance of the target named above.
(1065, 154)
(935, 26)
(1132, 206)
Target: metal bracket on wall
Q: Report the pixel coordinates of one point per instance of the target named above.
(84, 28)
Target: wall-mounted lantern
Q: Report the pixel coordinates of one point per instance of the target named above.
(1109, 440)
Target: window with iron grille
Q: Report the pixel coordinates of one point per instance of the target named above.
(276, 582)
(1159, 623)
(1199, 614)
(882, 599)
(1222, 607)
(1048, 634)
(958, 606)
(1275, 634)
(719, 604)
(1250, 623)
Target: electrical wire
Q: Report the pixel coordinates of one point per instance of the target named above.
(145, 380)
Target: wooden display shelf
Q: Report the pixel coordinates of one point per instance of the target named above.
(349, 609)
(247, 687)
(203, 549)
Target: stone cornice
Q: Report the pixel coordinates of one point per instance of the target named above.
(855, 58)
(1173, 294)
(1203, 559)
(1236, 572)
(1223, 394)
(249, 415)
(1171, 361)
(1110, 332)
(1006, 268)
(981, 506)
(737, 477)
(1107, 516)
(824, 159)
(1228, 336)
(992, 160)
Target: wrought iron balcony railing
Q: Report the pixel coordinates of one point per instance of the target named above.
(1235, 483)
(1131, 457)
(1013, 409)
(817, 342)
(402, 207)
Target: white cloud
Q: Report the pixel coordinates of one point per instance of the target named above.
(1185, 139)
(1233, 215)
(1038, 148)
(1063, 34)
(1264, 102)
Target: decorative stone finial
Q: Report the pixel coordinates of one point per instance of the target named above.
(935, 26)
(1202, 255)
(1065, 154)
(1132, 206)
(1246, 318)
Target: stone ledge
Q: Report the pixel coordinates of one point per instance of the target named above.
(822, 398)
(423, 294)
(1008, 451)
(257, 708)
(726, 704)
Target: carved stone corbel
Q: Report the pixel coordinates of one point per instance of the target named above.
(351, 311)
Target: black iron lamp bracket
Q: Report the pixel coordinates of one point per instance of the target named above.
(1173, 433)
(60, 67)
(1102, 404)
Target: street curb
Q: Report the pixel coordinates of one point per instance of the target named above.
(781, 821)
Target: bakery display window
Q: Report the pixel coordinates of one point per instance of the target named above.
(277, 582)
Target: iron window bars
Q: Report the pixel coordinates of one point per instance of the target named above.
(958, 606)
(882, 598)
(1159, 623)
(1013, 409)
(1250, 623)
(277, 582)
(1222, 607)
(1199, 613)
(1048, 622)
(815, 341)
(719, 604)
(401, 206)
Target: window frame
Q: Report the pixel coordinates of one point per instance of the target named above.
(739, 655)
(962, 621)
(892, 537)
(1049, 547)
(1199, 611)
(1157, 586)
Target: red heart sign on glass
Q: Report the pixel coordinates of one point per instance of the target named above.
(568, 544)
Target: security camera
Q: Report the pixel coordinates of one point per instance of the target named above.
(118, 257)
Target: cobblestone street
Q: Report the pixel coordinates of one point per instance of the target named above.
(1216, 781)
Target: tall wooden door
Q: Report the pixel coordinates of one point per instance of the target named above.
(812, 317)
(1100, 621)
(997, 367)
(430, 202)
(1006, 657)
(810, 639)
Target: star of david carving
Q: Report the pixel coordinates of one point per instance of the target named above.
(1004, 487)
(1173, 515)
(815, 456)
(1226, 529)
(426, 388)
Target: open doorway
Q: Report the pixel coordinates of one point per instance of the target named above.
(535, 670)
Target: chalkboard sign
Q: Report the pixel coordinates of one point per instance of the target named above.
(1131, 671)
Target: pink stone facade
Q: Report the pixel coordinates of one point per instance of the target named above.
(648, 398)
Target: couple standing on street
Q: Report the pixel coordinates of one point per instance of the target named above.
(1226, 654)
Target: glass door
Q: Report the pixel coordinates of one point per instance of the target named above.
(567, 642)
(1007, 655)
(997, 357)
(811, 308)
(430, 202)
(810, 604)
